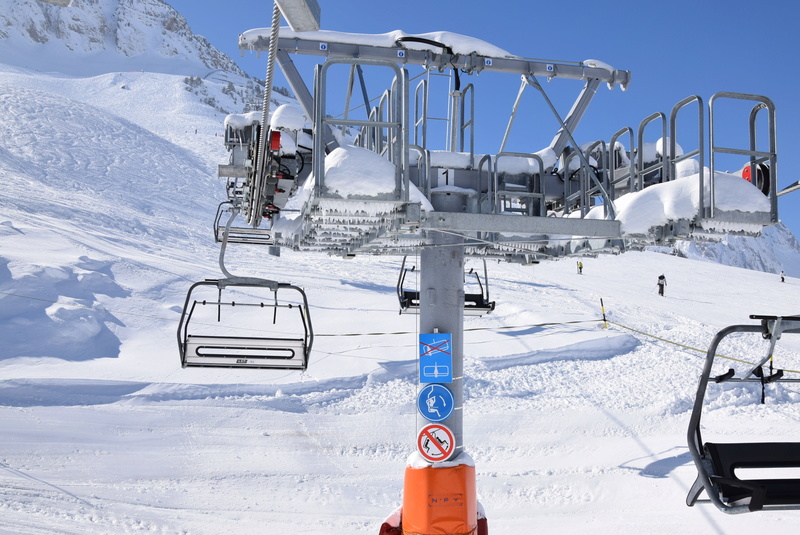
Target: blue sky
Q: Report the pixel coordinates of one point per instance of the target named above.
(673, 50)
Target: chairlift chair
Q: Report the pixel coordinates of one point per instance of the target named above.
(718, 464)
(475, 303)
(215, 350)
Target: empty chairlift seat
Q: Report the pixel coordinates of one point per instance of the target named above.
(742, 477)
(475, 303)
(257, 306)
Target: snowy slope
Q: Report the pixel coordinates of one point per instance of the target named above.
(105, 220)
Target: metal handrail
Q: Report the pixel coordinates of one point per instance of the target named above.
(631, 175)
(699, 151)
(756, 156)
(641, 170)
(468, 93)
(532, 190)
(397, 121)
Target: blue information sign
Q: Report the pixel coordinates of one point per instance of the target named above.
(436, 358)
(435, 402)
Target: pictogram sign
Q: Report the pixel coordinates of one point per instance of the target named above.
(436, 358)
(435, 442)
(435, 402)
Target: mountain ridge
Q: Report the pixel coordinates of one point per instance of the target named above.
(128, 34)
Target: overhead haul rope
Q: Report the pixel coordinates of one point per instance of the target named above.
(332, 335)
(416, 331)
(701, 351)
(268, 80)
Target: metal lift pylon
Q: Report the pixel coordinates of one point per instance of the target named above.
(426, 488)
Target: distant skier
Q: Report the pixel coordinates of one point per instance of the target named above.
(662, 283)
(580, 267)
(783, 276)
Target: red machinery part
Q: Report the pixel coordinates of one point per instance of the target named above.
(275, 140)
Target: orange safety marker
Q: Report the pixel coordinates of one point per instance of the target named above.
(440, 500)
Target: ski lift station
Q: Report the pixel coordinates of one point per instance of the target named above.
(379, 158)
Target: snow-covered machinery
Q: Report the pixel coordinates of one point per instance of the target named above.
(758, 175)
(398, 174)
(260, 182)
(746, 476)
(378, 170)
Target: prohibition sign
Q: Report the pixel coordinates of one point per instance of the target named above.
(435, 442)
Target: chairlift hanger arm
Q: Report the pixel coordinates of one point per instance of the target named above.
(790, 324)
(315, 45)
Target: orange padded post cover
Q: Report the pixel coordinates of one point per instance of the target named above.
(440, 501)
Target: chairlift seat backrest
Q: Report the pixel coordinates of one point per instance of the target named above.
(475, 304)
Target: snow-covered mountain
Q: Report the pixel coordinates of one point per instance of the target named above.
(774, 251)
(107, 191)
(98, 36)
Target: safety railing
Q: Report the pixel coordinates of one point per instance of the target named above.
(616, 179)
(699, 152)
(394, 124)
(530, 193)
(661, 164)
(755, 156)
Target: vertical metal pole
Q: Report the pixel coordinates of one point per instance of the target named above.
(442, 303)
(455, 123)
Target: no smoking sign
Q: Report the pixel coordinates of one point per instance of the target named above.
(436, 442)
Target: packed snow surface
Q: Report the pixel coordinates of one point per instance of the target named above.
(105, 221)
(353, 171)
